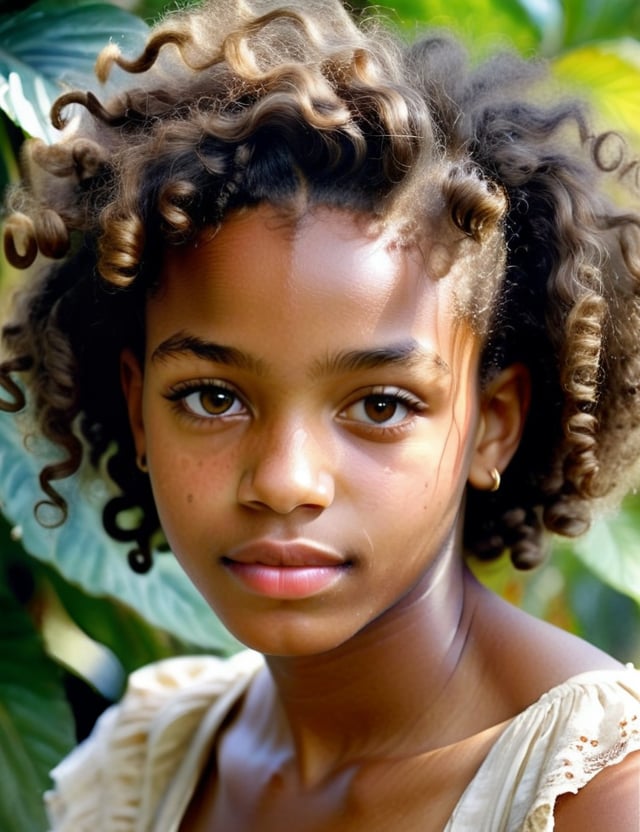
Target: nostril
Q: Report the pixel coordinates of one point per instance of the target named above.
(287, 473)
(283, 497)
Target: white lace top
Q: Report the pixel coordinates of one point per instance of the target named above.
(138, 770)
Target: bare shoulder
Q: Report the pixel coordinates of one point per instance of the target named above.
(531, 656)
(610, 801)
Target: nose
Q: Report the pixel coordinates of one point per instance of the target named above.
(288, 472)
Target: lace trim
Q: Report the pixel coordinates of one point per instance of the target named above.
(584, 758)
(112, 779)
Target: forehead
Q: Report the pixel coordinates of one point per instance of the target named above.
(330, 277)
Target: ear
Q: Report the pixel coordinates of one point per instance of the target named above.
(503, 410)
(131, 380)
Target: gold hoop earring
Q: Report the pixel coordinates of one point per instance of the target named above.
(495, 480)
(141, 463)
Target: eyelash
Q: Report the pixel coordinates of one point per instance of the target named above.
(181, 392)
(394, 395)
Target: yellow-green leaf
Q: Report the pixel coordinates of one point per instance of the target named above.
(481, 23)
(607, 74)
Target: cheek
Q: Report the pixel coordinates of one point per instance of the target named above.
(402, 488)
(419, 492)
(186, 475)
(190, 491)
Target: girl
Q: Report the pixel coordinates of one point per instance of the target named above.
(339, 310)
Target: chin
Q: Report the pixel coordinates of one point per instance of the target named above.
(293, 639)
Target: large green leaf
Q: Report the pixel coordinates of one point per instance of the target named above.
(133, 640)
(605, 617)
(590, 20)
(52, 44)
(36, 724)
(611, 549)
(8, 161)
(481, 23)
(151, 10)
(608, 75)
(541, 25)
(566, 592)
(83, 553)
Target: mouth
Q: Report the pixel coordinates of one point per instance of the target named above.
(285, 570)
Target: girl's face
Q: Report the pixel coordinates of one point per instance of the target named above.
(309, 413)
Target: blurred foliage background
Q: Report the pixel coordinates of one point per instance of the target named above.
(75, 621)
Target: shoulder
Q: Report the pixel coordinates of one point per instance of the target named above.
(528, 656)
(566, 752)
(609, 801)
(582, 741)
(137, 745)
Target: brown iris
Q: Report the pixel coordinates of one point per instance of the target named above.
(380, 408)
(216, 400)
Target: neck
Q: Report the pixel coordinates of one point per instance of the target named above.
(388, 690)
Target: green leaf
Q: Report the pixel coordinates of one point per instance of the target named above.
(608, 75)
(8, 160)
(566, 592)
(151, 10)
(36, 724)
(610, 549)
(49, 45)
(605, 617)
(589, 20)
(481, 23)
(132, 639)
(87, 557)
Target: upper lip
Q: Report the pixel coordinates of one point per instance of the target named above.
(284, 553)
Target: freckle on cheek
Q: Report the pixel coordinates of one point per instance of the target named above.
(189, 498)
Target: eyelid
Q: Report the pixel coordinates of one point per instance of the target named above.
(178, 393)
(413, 404)
(182, 388)
(392, 391)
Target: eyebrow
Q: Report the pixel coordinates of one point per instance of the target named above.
(184, 344)
(408, 354)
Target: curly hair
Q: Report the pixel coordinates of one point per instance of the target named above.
(239, 102)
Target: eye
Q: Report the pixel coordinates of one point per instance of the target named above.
(207, 400)
(386, 409)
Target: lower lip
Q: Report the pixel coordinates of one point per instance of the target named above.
(289, 583)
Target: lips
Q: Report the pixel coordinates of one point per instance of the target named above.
(281, 553)
(285, 570)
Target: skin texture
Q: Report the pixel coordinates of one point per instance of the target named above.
(296, 457)
(308, 399)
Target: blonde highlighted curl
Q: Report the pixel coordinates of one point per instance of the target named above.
(239, 102)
